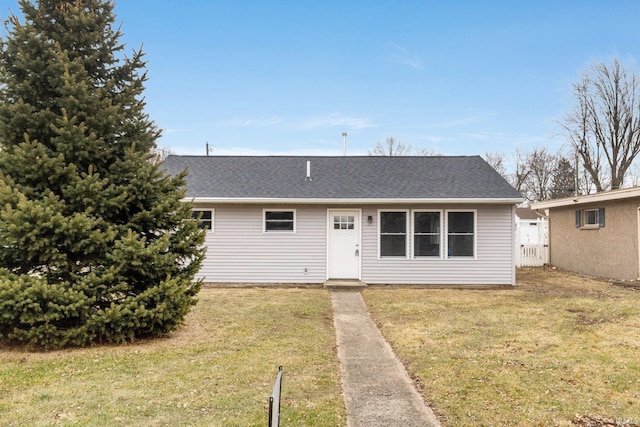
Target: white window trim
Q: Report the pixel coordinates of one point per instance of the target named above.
(413, 234)
(475, 234)
(407, 239)
(213, 216)
(264, 221)
(586, 225)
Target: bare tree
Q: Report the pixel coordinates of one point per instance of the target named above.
(158, 154)
(633, 179)
(537, 182)
(518, 178)
(391, 147)
(604, 126)
(497, 161)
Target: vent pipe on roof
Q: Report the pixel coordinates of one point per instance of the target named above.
(308, 178)
(344, 143)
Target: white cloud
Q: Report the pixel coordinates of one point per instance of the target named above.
(480, 117)
(403, 56)
(329, 120)
(254, 122)
(482, 136)
(431, 138)
(334, 120)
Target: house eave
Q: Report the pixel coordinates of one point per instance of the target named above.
(359, 201)
(625, 193)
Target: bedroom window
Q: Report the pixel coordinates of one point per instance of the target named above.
(279, 220)
(393, 234)
(204, 217)
(460, 234)
(426, 234)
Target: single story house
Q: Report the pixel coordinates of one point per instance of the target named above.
(383, 220)
(597, 234)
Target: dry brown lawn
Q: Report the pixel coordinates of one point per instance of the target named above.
(553, 350)
(218, 370)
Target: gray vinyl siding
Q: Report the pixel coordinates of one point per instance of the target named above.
(239, 251)
(493, 264)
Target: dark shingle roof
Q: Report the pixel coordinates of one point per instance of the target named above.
(350, 177)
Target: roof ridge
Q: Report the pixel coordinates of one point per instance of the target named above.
(320, 156)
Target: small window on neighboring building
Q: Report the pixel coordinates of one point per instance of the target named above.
(279, 220)
(204, 217)
(460, 234)
(393, 234)
(590, 218)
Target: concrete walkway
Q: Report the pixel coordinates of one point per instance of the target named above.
(377, 388)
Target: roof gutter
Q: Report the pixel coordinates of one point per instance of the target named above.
(624, 193)
(389, 201)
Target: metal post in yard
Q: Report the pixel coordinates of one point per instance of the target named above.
(274, 401)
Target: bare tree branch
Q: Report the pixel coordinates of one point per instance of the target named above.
(158, 154)
(604, 125)
(393, 147)
(497, 162)
(540, 166)
(521, 172)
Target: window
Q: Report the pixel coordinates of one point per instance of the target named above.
(590, 218)
(460, 234)
(204, 217)
(393, 234)
(426, 234)
(343, 222)
(279, 220)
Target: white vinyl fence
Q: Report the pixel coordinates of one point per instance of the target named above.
(532, 242)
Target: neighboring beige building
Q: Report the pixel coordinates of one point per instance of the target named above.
(597, 234)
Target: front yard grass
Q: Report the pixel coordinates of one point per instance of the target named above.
(218, 370)
(555, 346)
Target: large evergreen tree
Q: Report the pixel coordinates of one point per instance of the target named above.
(95, 244)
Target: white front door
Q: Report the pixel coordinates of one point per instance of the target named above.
(344, 244)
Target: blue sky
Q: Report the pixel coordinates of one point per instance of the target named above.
(288, 77)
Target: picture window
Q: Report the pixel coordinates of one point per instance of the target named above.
(393, 234)
(426, 234)
(460, 234)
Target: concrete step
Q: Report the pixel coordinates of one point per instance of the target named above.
(344, 285)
